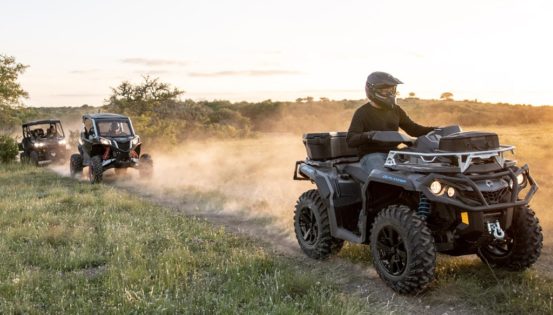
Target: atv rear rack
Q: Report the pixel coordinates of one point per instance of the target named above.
(444, 162)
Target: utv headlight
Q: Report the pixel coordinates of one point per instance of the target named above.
(436, 187)
(39, 145)
(135, 141)
(105, 141)
(62, 142)
(520, 179)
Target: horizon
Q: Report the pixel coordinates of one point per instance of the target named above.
(495, 52)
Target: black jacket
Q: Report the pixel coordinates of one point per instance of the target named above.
(369, 118)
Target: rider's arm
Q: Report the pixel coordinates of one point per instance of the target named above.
(411, 127)
(357, 135)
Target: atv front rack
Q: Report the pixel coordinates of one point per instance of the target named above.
(448, 162)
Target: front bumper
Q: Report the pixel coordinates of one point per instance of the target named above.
(481, 203)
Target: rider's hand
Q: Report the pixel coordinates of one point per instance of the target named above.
(370, 134)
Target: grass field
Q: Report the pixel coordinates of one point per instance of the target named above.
(69, 247)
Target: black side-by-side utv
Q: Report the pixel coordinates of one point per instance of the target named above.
(109, 141)
(448, 191)
(43, 142)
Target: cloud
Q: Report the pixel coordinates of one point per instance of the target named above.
(83, 71)
(154, 62)
(152, 72)
(245, 73)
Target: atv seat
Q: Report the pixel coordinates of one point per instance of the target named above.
(356, 171)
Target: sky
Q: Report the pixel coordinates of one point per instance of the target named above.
(495, 51)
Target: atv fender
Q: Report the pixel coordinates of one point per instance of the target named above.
(323, 184)
(395, 179)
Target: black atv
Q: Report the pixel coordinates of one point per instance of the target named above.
(448, 191)
(43, 142)
(109, 141)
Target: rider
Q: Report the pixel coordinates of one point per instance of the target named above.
(381, 113)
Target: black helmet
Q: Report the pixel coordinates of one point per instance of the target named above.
(381, 89)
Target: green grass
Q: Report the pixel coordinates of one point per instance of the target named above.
(468, 281)
(69, 247)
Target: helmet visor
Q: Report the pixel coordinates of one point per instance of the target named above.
(386, 91)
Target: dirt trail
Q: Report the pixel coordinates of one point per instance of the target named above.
(247, 187)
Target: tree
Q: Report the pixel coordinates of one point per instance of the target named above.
(10, 90)
(411, 94)
(448, 96)
(141, 98)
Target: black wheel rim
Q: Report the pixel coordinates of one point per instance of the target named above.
(309, 229)
(391, 251)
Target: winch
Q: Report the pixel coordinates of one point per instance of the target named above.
(494, 228)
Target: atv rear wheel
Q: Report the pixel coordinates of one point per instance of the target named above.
(522, 245)
(312, 227)
(95, 170)
(403, 249)
(75, 165)
(146, 166)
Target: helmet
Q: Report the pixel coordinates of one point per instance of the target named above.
(114, 127)
(381, 89)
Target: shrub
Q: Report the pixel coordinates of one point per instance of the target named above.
(8, 149)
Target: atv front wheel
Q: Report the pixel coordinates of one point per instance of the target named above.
(312, 227)
(403, 249)
(522, 245)
(75, 165)
(95, 170)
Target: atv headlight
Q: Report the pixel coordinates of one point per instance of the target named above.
(436, 187)
(450, 192)
(105, 141)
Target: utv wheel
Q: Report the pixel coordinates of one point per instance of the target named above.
(522, 245)
(146, 166)
(403, 249)
(75, 165)
(312, 227)
(23, 158)
(95, 170)
(34, 158)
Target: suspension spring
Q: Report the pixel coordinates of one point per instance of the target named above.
(425, 207)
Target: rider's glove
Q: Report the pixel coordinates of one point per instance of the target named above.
(370, 134)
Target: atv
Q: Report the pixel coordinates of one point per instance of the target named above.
(43, 142)
(109, 141)
(448, 191)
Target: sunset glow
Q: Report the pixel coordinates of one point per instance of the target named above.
(496, 51)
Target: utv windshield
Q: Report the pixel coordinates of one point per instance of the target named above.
(114, 128)
(47, 130)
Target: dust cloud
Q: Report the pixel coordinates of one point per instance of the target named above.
(252, 178)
